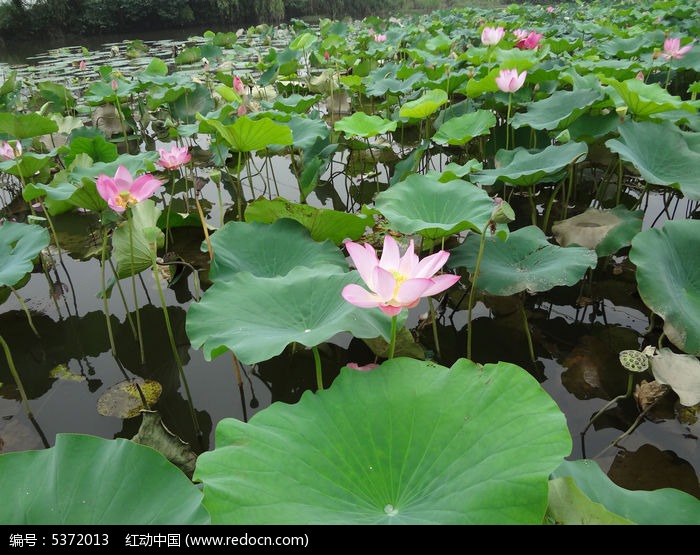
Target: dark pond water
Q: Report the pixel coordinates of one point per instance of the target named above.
(577, 334)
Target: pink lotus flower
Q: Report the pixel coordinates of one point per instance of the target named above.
(530, 42)
(492, 35)
(82, 65)
(520, 34)
(123, 191)
(395, 281)
(365, 368)
(550, 9)
(379, 37)
(8, 152)
(174, 158)
(672, 49)
(509, 80)
(238, 86)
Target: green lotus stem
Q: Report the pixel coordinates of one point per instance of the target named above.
(26, 311)
(317, 362)
(510, 97)
(619, 181)
(392, 343)
(238, 369)
(527, 331)
(171, 337)
(53, 229)
(611, 402)
(550, 202)
(204, 226)
(668, 75)
(104, 294)
(240, 188)
(123, 297)
(473, 290)
(133, 287)
(630, 429)
(434, 326)
(531, 199)
(121, 120)
(167, 214)
(15, 376)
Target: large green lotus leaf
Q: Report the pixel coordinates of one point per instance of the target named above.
(526, 261)
(187, 106)
(644, 99)
(24, 126)
(522, 167)
(249, 135)
(462, 129)
(28, 164)
(257, 317)
(90, 480)
(423, 204)
(20, 244)
(409, 442)
(424, 106)
(606, 231)
(360, 124)
(322, 223)
(268, 250)
(661, 153)
(661, 506)
(558, 110)
(668, 279)
(131, 240)
(680, 372)
(569, 505)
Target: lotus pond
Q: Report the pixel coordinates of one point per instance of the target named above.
(440, 269)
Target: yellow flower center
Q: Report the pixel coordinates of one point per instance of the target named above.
(124, 200)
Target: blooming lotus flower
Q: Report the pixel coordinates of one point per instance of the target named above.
(550, 9)
(123, 191)
(395, 281)
(492, 35)
(672, 49)
(520, 34)
(509, 81)
(174, 158)
(530, 42)
(379, 37)
(8, 152)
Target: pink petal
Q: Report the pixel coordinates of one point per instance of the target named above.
(390, 254)
(408, 261)
(390, 310)
(431, 264)
(106, 188)
(412, 290)
(144, 186)
(122, 178)
(356, 295)
(441, 283)
(384, 283)
(365, 260)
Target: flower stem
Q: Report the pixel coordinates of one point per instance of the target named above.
(133, 287)
(26, 311)
(319, 374)
(392, 344)
(173, 345)
(473, 290)
(510, 97)
(104, 294)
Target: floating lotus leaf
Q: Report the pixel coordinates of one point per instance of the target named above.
(667, 261)
(526, 261)
(558, 110)
(569, 505)
(423, 204)
(62, 372)
(522, 167)
(268, 249)
(370, 450)
(362, 125)
(640, 507)
(606, 231)
(257, 317)
(661, 153)
(123, 400)
(322, 223)
(20, 244)
(680, 372)
(634, 361)
(59, 485)
(460, 130)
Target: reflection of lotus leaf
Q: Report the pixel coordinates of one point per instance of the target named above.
(62, 372)
(634, 361)
(123, 400)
